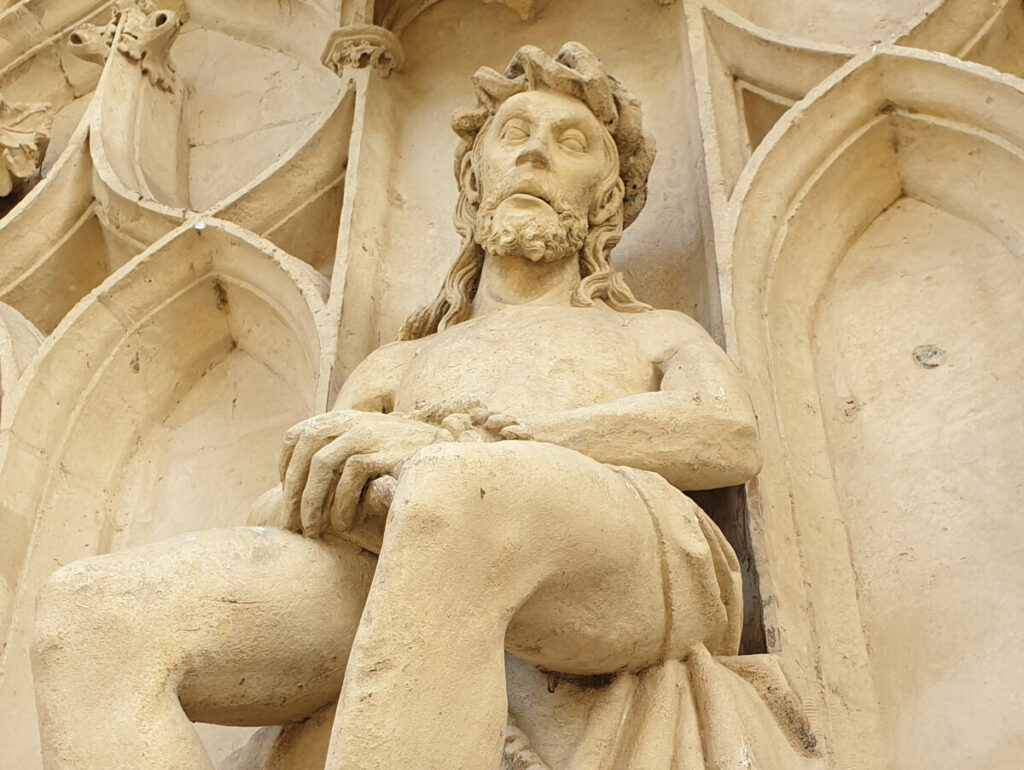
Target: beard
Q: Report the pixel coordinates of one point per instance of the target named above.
(542, 235)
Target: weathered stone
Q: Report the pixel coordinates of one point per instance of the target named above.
(222, 229)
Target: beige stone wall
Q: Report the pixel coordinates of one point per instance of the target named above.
(837, 197)
(867, 250)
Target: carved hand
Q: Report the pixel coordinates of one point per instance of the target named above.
(470, 420)
(328, 460)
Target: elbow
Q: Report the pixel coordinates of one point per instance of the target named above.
(750, 463)
(728, 454)
(742, 452)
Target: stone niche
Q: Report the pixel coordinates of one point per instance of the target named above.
(220, 230)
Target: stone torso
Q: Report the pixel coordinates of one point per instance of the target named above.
(530, 360)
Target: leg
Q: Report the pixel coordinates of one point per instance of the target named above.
(237, 626)
(514, 544)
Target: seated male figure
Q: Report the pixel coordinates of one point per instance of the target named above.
(504, 477)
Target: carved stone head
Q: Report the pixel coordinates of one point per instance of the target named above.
(581, 114)
(574, 71)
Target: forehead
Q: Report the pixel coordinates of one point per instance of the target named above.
(547, 106)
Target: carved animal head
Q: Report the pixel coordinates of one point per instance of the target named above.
(91, 42)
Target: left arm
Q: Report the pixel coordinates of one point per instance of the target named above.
(698, 430)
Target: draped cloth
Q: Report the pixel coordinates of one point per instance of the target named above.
(703, 708)
(713, 713)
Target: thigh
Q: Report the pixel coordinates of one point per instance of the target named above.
(625, 575)
(252, 624)
(568, 533)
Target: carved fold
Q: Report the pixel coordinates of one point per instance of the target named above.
(53, 254)
(989, 32)
(396, 15)
(19, 340)
(296, 202)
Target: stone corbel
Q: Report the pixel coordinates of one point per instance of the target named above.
(24, 136)
(147, 37)
(360, 46)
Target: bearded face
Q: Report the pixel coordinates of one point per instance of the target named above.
(540, 165)
(538, 233)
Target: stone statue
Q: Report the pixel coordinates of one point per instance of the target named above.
(505, 477)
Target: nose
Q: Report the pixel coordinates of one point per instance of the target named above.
(534, 152)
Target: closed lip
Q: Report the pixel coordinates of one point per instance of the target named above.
(532, 191)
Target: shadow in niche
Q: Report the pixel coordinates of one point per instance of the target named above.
(727, 507)
(156, 407)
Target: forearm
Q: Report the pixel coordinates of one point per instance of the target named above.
(693, 445)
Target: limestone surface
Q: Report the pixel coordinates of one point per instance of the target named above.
(534, 525)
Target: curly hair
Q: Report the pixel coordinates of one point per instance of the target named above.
(576, 72)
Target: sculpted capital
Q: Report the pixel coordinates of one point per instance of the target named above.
(359, 46)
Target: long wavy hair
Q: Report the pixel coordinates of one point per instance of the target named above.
(576, 72)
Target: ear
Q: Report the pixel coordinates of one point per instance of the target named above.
(468, 180)
(608, 202)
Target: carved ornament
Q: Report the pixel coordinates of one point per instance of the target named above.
(146, 37)
(363, 45)
(24, 135)
(92, 42)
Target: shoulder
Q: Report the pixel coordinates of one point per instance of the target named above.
(371, 385)
(391, 359)
(394, 352)
(667, 332)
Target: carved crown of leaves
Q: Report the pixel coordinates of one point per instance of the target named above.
(576, 72)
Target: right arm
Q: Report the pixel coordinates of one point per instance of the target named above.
(369, 390)
(328, 460)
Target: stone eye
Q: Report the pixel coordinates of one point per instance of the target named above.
(573, 141)
(514, 132)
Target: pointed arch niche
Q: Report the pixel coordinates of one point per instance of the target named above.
(156, 407)
(404, 158)
(872, 286)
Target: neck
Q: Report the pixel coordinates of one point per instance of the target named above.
(508, 281)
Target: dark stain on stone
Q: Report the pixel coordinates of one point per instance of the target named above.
(220, 294)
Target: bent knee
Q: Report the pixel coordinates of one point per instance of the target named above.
(456, 494)
(504, 496)
(91, 600)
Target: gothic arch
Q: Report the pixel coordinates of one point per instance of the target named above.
(892, 125)
(207, 321)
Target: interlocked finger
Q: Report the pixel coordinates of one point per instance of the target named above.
(496, 422)
(516, 432)
(322, 428)
(291, 438)
(297, 474)
(358, 472)
(433, 413)
(324, 469)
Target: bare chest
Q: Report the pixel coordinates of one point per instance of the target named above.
(531, 361)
